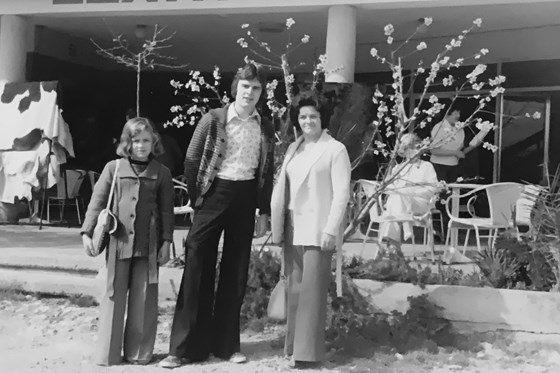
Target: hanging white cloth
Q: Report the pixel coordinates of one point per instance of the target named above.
(21, 172)
(24, 108)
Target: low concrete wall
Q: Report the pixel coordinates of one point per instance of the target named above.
(469, 309)
(473, 309)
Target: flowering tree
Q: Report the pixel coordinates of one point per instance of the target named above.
(202, 95)
(148, 56)
(392, 119)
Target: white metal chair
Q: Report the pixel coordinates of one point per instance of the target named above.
(67, 192)
(502, 198)
(182, 203)
(524, 205)
(93, 177)
(376, 217)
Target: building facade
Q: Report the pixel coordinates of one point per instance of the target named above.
(51, 40)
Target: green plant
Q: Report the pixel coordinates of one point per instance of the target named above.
(353, 325)
(517, 263)
(500, 268)
(397, 268)
(264, 273)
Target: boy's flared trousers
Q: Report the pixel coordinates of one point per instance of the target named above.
(309, 274)
(130, 286)
(205, 322)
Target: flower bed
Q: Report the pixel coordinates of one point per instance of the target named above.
(472, 309)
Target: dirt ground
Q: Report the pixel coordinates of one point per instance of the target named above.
(55, 335)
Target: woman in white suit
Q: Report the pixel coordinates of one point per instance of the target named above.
(308, 206)
(412, 193)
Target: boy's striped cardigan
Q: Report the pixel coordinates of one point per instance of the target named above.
(207, 150)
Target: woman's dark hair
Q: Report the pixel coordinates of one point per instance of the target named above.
(249, 72)
(306, 102)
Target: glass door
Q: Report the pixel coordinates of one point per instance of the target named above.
(523, 139)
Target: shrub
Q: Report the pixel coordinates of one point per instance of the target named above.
(397, 268)
(264, 274)
(516, 264)
(352, 324)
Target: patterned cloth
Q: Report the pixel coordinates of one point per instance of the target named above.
(243, 138)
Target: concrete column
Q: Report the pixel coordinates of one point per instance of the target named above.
(341, 44)
(13, 48)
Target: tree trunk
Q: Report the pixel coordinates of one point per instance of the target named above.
(138, 69)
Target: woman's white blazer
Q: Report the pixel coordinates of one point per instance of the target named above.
(321, 197)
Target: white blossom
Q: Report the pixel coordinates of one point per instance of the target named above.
(289, 23)
(421, 46)
(478, 86)
(373, 52)
(479, 69)
(428, 21)
(484, 125)
(478, 22)
(242, 43)
(448, 81)
(455, 43)
(496, 81)
(305, 39)
(175, 109)
(389, 29)
(493, 148)
(496, 91)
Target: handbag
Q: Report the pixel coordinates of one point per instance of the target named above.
(106, 222)
(277, 307)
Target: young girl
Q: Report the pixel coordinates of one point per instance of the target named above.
(143, 205)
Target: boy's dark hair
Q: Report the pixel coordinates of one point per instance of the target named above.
(249, 72)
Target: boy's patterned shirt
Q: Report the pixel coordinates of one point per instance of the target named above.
(243, 139)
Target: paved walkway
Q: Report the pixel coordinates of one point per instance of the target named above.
(52, 260)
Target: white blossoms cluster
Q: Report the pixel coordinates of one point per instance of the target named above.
(289, 23)
(242, 43)
(493, 148)
(484, 126)
(473, 75)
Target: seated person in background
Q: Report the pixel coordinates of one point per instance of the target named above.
(411, 193)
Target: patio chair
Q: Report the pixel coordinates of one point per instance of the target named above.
(182, 204)
(524, 206)
(502, 198)
(67, 193)
(93, 177)
(375, 217)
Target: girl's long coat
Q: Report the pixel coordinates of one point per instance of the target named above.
(144, 214)
(320, 200)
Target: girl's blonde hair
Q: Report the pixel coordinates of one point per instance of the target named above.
(132, 128)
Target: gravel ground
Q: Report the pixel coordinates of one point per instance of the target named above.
(55, 335)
